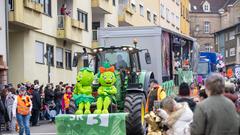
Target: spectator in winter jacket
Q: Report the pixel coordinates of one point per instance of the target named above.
(2, 111)
(9, 105)
(36, 101)
(178, 118)
(66, 99)
(216, 115)
(4, 94)
(22, 107)
(58, 98)
(156, 92)
(184, 96)
(49, 94)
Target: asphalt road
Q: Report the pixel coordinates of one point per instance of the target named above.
(45, 128)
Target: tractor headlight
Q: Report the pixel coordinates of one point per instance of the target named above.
(95, 50)
(124, 48)
(100, 49)
(130, 48)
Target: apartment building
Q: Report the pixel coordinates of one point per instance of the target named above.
(206, 18)
(170, 14)
(184, 19)
(227, 39)
(40, 26)
(3, 50)
(117, 13)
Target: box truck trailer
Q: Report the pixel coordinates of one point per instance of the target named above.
(169, 50)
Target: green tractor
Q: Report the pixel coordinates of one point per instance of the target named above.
(132, 82)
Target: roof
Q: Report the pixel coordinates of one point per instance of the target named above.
(215, 5)
(232, 26)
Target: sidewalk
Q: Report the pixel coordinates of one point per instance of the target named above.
(45, 128)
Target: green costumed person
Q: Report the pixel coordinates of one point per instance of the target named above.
(83, 90)
(107, 89)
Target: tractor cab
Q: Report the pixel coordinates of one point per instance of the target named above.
(125, 59)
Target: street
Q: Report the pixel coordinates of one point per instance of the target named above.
(45, 128)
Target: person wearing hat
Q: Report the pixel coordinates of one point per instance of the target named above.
(21, 110)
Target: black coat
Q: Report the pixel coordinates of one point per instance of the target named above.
(36, 100)
(49, 95)
(2, 112)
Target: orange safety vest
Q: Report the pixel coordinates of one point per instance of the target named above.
(23, 105)
(66, 101)
(159, 91)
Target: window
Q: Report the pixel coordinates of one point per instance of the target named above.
(39, 52)
(11, 5)
(208, 47)
(68, 56)
(177, 21)
(226, 36)
(83, 17)
(182, 9)
(167, 15)
(134, 7)
(226, 53)
(206, 27)
(197, 28)
(149, 15)
(232, 35)
(206, 7)
(177, 2)
(47, 7)
(172, 18)
(232, 52)
(162, 10)
(50, 47)
(114, 2)
(141, 10)
(183, 12)
(59, 57)
(155, 18)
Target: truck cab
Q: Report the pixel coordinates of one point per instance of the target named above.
(207, 63)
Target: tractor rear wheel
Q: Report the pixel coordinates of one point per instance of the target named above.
(135, 106)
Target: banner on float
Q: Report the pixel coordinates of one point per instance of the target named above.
(91, 124)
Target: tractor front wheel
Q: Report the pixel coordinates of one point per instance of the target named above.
(135, 106)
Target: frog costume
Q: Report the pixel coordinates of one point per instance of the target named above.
(107, 89)
(83, 90)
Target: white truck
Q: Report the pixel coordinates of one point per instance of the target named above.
(169, 50)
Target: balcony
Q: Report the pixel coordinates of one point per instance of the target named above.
(26, 13)
(125, 16)
(101, 6)
(69, 29)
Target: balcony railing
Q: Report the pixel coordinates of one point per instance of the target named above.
(69, 28)
(25, 13)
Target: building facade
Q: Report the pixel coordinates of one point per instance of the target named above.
(38, 27)
(170, 14)
(3, 44)
(184, 18)
(205, 19)
(61, 28)
(227, 39)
